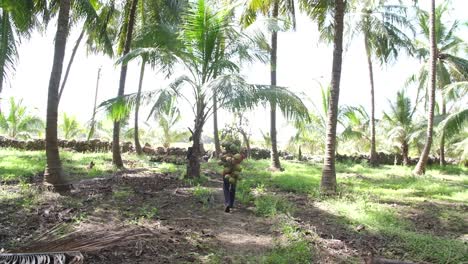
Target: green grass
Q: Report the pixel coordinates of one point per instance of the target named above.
(370, 197)
(271, 205)
(291, 247)
(203, 195)
(379, 198)
(16, 165)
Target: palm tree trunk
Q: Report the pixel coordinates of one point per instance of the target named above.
(275, 162)
(404, 153)
(194, 154)
(93, 118)
(138, 149)
(373, 154)
(442, 139)
(72, 58)
(116, 157)
(421, 166)
(215, 126)
(247, 142)
(328, 183)
(53, 173)
(3, 55)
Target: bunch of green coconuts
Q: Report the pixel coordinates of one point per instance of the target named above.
(231, 159)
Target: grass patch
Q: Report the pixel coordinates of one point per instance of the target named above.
(366, 196)
(291, 248)
(17, 165)
(204, 195)
(271, 205)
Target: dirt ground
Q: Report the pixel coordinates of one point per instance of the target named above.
(111, 220)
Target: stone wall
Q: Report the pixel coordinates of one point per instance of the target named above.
(178, 155)
(94, 145)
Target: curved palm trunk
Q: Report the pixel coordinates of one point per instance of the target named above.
(442, 139)
(328, 183)
(116, 156)
(93, 118)
(404, 153)
(421, 166)
(53, 173)
(275, 162)
(215, 126)
(373, 154)
(72, 58)
(136, 135)
(247, 142)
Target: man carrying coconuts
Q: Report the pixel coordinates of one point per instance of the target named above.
(230, 160)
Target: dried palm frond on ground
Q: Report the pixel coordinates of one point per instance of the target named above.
(85, 242)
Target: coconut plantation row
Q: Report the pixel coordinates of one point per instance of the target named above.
(182, 169)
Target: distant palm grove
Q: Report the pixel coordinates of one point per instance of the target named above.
(201, 47)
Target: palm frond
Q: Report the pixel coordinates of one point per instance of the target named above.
(454, 123)
(236, 94)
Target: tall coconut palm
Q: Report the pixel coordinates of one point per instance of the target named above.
(209, 45)
(274, 9)
(19, 123)
(16, 22)
(311, 134)
(92, 124)
(96, 28)
(421, 166)
(53, 173)
(383, 28)
(128, 27)
(319, 12)
(155, 22)
(449, 67)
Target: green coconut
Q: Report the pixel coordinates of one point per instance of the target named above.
(237, 167)
(238, 156)
(232, 180)
(227, 170)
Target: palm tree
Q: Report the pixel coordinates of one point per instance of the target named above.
(421, 166)
(273, 9)
(449, 67)
(70, 127)
(383, 27)
(167, 116)
(400, 119)
(16, 22)
(357, 127)
(96, 28)
(208, 45)
(53, 173)
(92, 124)
(311, 135)
(156, 21)
(454, 127)
(128, 26)
(328, 183)
(19, 123)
